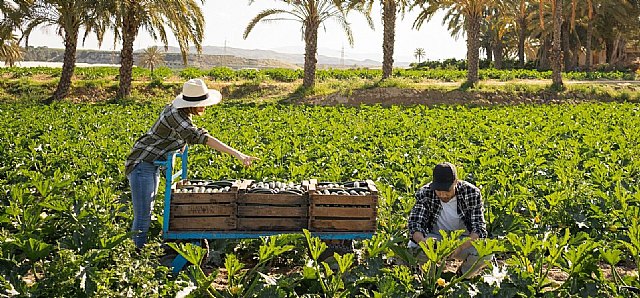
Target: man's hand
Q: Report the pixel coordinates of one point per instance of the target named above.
(465, 245)
(418, 237)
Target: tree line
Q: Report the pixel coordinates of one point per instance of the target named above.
(555, 31)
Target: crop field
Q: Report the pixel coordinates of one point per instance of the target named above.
(561, 187)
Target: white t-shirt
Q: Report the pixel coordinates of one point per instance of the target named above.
(448, 219)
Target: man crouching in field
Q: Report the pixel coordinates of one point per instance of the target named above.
(449, 204)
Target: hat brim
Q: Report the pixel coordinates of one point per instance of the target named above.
(441, 186)
(214, 98)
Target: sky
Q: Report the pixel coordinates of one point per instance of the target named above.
(227, 19)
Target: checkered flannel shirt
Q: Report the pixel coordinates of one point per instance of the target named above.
(427, 209)
(172, 131)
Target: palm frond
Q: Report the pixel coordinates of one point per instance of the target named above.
(263, 14)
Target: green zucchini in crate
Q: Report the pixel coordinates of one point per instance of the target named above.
(343, 206)
(201, 205)
(272, 206)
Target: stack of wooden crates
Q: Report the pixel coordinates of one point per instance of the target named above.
(320, 207)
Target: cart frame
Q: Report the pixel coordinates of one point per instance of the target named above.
(196, 236)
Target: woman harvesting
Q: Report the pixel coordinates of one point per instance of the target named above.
(172, 131)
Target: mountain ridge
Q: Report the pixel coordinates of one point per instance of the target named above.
(212, 56)
(298, 59)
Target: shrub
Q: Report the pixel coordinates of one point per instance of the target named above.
(222, 74)
(191, 73)
(99, 72)
(162, 73)
(140, 72)
(250, 74)
(283, 74)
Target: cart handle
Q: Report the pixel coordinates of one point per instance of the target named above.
(170, 178)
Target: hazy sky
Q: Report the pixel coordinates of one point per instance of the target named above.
(227, 19)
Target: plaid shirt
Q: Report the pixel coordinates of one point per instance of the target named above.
(171, 131)
(427, 208)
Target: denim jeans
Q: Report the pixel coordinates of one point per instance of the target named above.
(144, 180)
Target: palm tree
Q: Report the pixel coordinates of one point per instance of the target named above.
(506, 25)
(419, 53)
(519, 13)
(471, 11)
(10, 51)
(182, 17)
(390, 9)
(68, 16)
(152, 57)
(615, 22)
(590, 17)
(310, 14)
(556, 47)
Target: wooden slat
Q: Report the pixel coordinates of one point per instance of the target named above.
(271, 199)
(272, 211)
(202, 210)
(202, 198)
(343, 200)
(271, 224)
(332, 225)
(320, 211)
(202, 224)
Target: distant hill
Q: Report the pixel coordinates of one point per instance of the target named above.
(211, 56)
(298, 59)
(172, 59)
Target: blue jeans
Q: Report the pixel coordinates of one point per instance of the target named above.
(144, 180)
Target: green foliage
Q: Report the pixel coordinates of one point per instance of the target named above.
(250, 74)
(559, 182)
(445, 74)
(222, 74)
(92, 73)
(192, 73)
(162, 73)
(283, 74)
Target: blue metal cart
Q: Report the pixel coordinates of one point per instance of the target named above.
(195, 236)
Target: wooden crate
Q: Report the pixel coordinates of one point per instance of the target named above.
(204, 211)
(343, 213)
(271, 212)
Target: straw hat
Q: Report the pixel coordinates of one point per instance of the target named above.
(196, 94)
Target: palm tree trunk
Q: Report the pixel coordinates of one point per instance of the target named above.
(522, 23)
(615, 53)
(587, 62)
(577, 49)
(556, 52)
(498, 50)
(389, 23)
(566, 46)
(68, 65)
(608, 42)
(310, 50)
(129, 32)
(473, 46)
